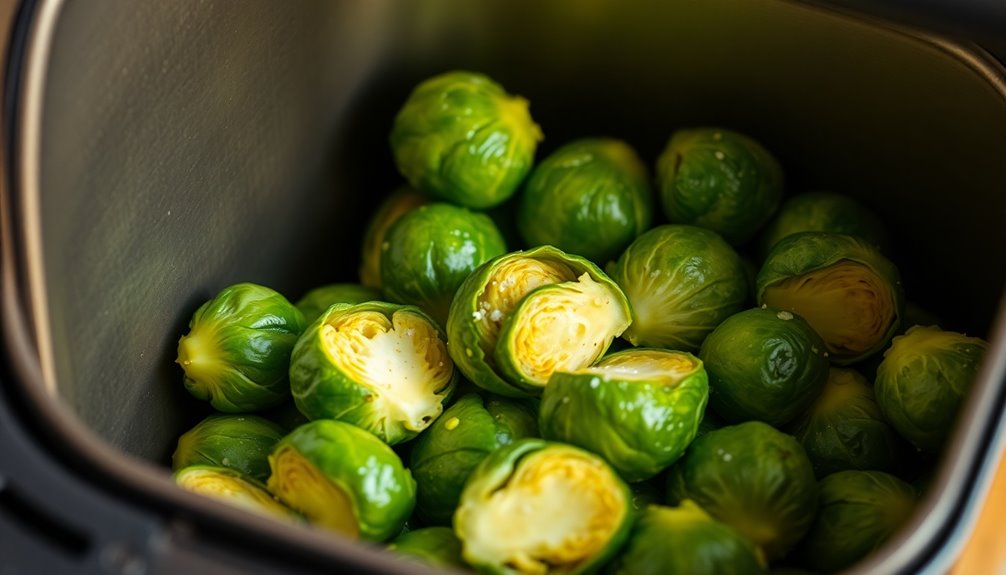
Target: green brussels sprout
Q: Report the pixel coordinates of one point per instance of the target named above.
(231, 487)
(764, 364)
(429, 251)
(537, 507)
(445, 454)
(383, 367)
(844, 428)
(437, 546)
(719, 180)
(240, 442)
(461, 138)
(316, 301)
(238, 348)
(824, 212)
(643, 407)
(846, 290)
(913, 315)
(401, 202)
(860, 510)
(923, 380)
(590, 198)
(343, 479)
(494, 299)
(681, 282)
(685, 540)
(754, 478)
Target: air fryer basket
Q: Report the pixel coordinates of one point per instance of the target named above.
(164, 150)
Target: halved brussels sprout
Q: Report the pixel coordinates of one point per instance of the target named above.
(719, 180)
(460, 137)
(681, 282)
(487, 298)
(685, 540)
(240, 442)
(445, 454)
(538, 508)
(316, 301)
(846, 290)
(752, 477)
(399, 203)
(590, 197)
(431, 250)
(844, 428)
(860, 510)
(231, 487)
(437, 546)
(764, 364)
(381, 366)
(343, 479)
(638, 409)
(923, 380)
(238, 348)
(824, 212)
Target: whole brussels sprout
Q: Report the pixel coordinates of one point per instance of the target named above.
(429, 251)
(681, 282)
(445, 454)
(844, 429)
(240, 442)
(860, 510)
(719, 180)
(231, 487)
(590, 197)
(399, 203)
(764, 364)
(752, 477)
(460, 137)
(638, 409)
(537, 507)
(685, 540)
(824, 212)
(491, 318)
(437, 546)
(316, 301)
(238, 348)
(923, 380)
(846, 290)
(343, 479)
(383, 367)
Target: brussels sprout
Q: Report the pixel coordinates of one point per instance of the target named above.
(401, 202)
(860, 510)
(437, 546)
(431, 250)
(381, 366)
(240, 442)
(844, 429)
(590, 198)
(720, 180)
(460, 137)
(923, 380)
(764, 364)
(490, 296)
(643, 407)
(445, 454)
(343, 479)
(238, 348)
(316, 301)
(537, 507)
(849, 293)
(824, 212)
(681, 281)
(685, 540)
(752, 477)
(230, 487)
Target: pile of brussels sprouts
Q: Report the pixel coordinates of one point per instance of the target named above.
(612, 395)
